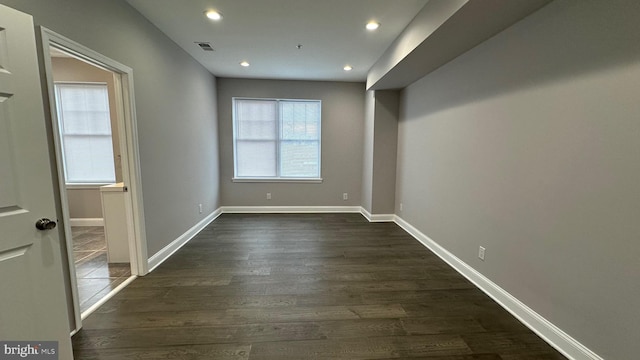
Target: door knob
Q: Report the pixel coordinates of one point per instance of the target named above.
(45, 224)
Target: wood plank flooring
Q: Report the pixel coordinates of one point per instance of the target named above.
(317, 286)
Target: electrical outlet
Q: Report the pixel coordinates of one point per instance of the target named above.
(481, 253)
(345, 196)
(268, 196)
(400, 206)
(200, 208)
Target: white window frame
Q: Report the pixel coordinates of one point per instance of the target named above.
(276, 178)
(87, 184)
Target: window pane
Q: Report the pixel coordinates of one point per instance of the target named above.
(255, 138)
(84, 109)
(300, 120)
(256, 120)
(84, 97)
(299, 158)
(85, 124)
(256, 158)
(89, 159)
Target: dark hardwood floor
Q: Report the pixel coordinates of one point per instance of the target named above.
(320, 286)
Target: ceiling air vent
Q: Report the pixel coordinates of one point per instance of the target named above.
(205, 46)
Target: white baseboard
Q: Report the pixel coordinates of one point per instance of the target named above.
(162, 255)
(105, 298)
(377, 217)
(86, 222)
(553, 335)
(289, 209)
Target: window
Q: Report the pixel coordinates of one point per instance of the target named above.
(85, 130)
(276, 139)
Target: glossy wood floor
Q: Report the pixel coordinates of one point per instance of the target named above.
(330, 286)
(95, 276)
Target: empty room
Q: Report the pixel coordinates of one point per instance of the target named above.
(335, 179)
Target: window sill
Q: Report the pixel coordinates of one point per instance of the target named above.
(278, 180)
(85, 186)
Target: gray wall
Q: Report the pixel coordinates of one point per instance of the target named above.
(175, 107)
(84, 203)
(380, 151)
(385, 151)
(367, 156)
(528, 145)
(342, 143)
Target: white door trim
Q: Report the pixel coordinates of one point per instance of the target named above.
(125, 104)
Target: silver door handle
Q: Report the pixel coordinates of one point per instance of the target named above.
(45, 224)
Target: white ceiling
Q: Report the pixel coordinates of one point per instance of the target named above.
(265, 33)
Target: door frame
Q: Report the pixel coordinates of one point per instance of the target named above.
(128, 136)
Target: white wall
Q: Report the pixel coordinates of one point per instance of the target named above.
(175, 108)
(529, 145)
(343, 106)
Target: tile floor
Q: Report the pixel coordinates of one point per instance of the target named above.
(95, 276)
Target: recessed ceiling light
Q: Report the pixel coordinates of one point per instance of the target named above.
(213, 15)
(372, 25)
(244, 63)
(348, 68)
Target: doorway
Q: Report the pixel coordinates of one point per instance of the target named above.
(94, 133)
(91, 158)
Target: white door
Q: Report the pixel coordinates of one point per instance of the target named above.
(32, 296)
